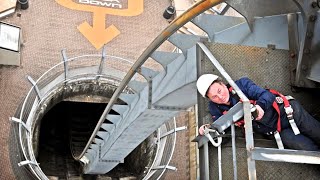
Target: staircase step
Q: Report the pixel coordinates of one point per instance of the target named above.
(137, 86)
(212, 24)
(92, 152)
(148, 73)
(115, 119)
(103, 134)
(108, 127)
(128, 98)
(164, 58)
(94, 147)
(121, 109)
(98, 141)
(184, 41)
(269, 30)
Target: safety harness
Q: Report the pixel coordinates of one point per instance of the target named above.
(280, 99)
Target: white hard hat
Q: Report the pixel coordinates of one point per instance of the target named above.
(204, 82)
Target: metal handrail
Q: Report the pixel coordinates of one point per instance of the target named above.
(174, 134)
(188, 15)
(246, 109)
(173, 147)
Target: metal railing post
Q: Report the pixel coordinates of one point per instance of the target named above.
(246, 109)
(234, 154)
(103, 58)
(206, 161)
(64, 58)
(34, 84)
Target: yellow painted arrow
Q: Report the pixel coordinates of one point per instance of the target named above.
(97, 34)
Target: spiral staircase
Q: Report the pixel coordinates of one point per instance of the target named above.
(160, 95)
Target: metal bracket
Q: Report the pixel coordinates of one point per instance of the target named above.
(165, 167)
(103, 58)
(34, 84)
(173, 131)
(13, 119)
(150, 94)
(173, 108)
(111, 161)
(26, 162)
(65, 59)
(309, 17)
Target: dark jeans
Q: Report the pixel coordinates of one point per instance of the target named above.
(309, 137)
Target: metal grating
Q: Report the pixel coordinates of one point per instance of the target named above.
(265, 170)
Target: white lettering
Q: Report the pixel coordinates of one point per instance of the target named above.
(84, 1)
(105, 3)
(112, 1)
(94, 2)
(119, 5)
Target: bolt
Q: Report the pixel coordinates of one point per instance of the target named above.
(304, 67)
(307, 51)
(301, 83)
(309, 34)
(312, 18)
(314, 4)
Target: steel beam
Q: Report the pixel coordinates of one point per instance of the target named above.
(286, 155)
(308, 18)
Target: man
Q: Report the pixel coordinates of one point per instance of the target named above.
(221, 100)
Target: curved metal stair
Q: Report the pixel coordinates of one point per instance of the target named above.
(165, 93)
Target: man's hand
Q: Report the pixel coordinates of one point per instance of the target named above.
(260, 112)
(201, 129)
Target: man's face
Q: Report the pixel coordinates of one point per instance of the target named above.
(218, 93)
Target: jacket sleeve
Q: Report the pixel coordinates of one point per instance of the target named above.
(262, 96)
(214, 111)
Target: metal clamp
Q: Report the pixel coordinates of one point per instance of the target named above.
(26, 162)
(13, 119)
(289, 112)
(207, 134)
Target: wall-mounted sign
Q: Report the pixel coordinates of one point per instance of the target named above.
(10, 38)
(97, 34)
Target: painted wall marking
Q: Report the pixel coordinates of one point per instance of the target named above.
(97, 34)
